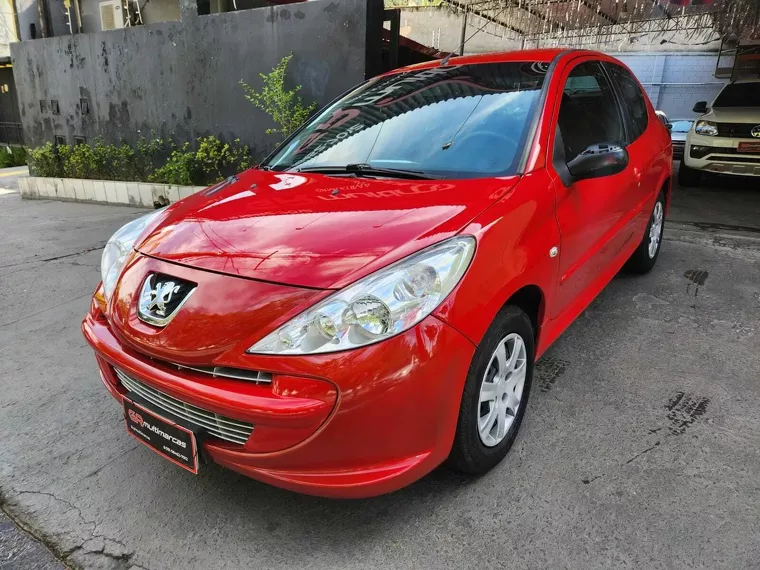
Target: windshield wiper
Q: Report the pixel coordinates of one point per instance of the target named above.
(369, 170)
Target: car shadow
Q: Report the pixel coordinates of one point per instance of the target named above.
(268, 509)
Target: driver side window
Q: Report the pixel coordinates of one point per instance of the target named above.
(588, 113)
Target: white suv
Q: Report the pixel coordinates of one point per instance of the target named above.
(726, 138)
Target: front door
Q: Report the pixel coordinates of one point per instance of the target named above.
(589, 212)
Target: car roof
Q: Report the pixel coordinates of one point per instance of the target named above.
(543, 55)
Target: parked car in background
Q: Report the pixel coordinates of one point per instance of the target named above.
(726, 138)
(370, 301)
(679, 128)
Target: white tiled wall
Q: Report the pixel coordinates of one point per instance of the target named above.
(675, 81)
(104, 191)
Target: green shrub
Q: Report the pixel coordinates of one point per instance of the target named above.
(150, 154)
(180, 168)
(217, 160)
(284, 106)
(12, 156)
(77, 161)
(19, 155)
(44, 161)
(154, 160)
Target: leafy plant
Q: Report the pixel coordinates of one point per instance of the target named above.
(154, 160)
(12, 156)
(77, 161)
(285, 107)
(44, 161)
(218, 160)
(150, 154)
(179, 169)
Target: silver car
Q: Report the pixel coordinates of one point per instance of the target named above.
(678, 130)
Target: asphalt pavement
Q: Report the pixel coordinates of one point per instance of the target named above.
(9, 178)
(640, 448)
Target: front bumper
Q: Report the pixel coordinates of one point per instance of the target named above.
(392, 421)
(721, 156)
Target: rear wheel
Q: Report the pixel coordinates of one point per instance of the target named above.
(495, 394)
(688, 176)
(644, 258)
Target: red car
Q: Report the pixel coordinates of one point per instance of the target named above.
(369, 302)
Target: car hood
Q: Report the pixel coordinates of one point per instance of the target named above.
(313, 230)
(678, 137)
(733, 115)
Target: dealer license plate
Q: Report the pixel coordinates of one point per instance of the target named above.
(749, 146)
(174, 442)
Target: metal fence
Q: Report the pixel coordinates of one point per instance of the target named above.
(11, 133)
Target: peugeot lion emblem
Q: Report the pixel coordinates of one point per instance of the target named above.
(755, 132)
(161, 297)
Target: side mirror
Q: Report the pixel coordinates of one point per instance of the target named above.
(669, 126)
(604, 159)
(700, 107)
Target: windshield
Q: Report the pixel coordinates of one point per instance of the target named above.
(451, 122)
(739, 95)
(681, 126)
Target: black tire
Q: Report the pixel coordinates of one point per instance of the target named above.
(688, 176)
(642, 261)
(469, 454)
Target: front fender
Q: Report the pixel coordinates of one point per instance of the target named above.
(514, 238)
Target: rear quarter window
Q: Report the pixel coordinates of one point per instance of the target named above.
(634, 99)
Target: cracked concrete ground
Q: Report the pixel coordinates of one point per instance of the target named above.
(641, 447)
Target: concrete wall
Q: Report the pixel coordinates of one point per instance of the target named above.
(7, 28)
(181, 78)
(441, 28)
(138, 194)
(27, 14)
(675, 81)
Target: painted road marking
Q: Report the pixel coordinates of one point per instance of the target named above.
(14, 172)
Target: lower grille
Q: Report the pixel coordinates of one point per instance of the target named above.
(219, 426)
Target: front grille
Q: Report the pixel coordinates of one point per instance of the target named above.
(678, 149)
(736, 130)
(226, 372)
(219, 426)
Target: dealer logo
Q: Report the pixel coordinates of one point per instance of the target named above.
(755, 132)
(135, 417)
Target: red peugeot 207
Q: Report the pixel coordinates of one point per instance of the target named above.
(370, 301)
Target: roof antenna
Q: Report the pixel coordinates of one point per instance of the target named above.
(445, 60)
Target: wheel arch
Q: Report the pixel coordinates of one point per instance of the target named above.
(532, 301)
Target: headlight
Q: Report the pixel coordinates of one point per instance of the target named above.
(118, 248)
(707, 128)
(377, 307)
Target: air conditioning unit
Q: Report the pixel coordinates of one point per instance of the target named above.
(111, 15)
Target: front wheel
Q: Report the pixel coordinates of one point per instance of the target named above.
(495, 393)
(644, 258)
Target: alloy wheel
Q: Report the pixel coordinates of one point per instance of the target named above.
(502, 389)
(655, 231)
